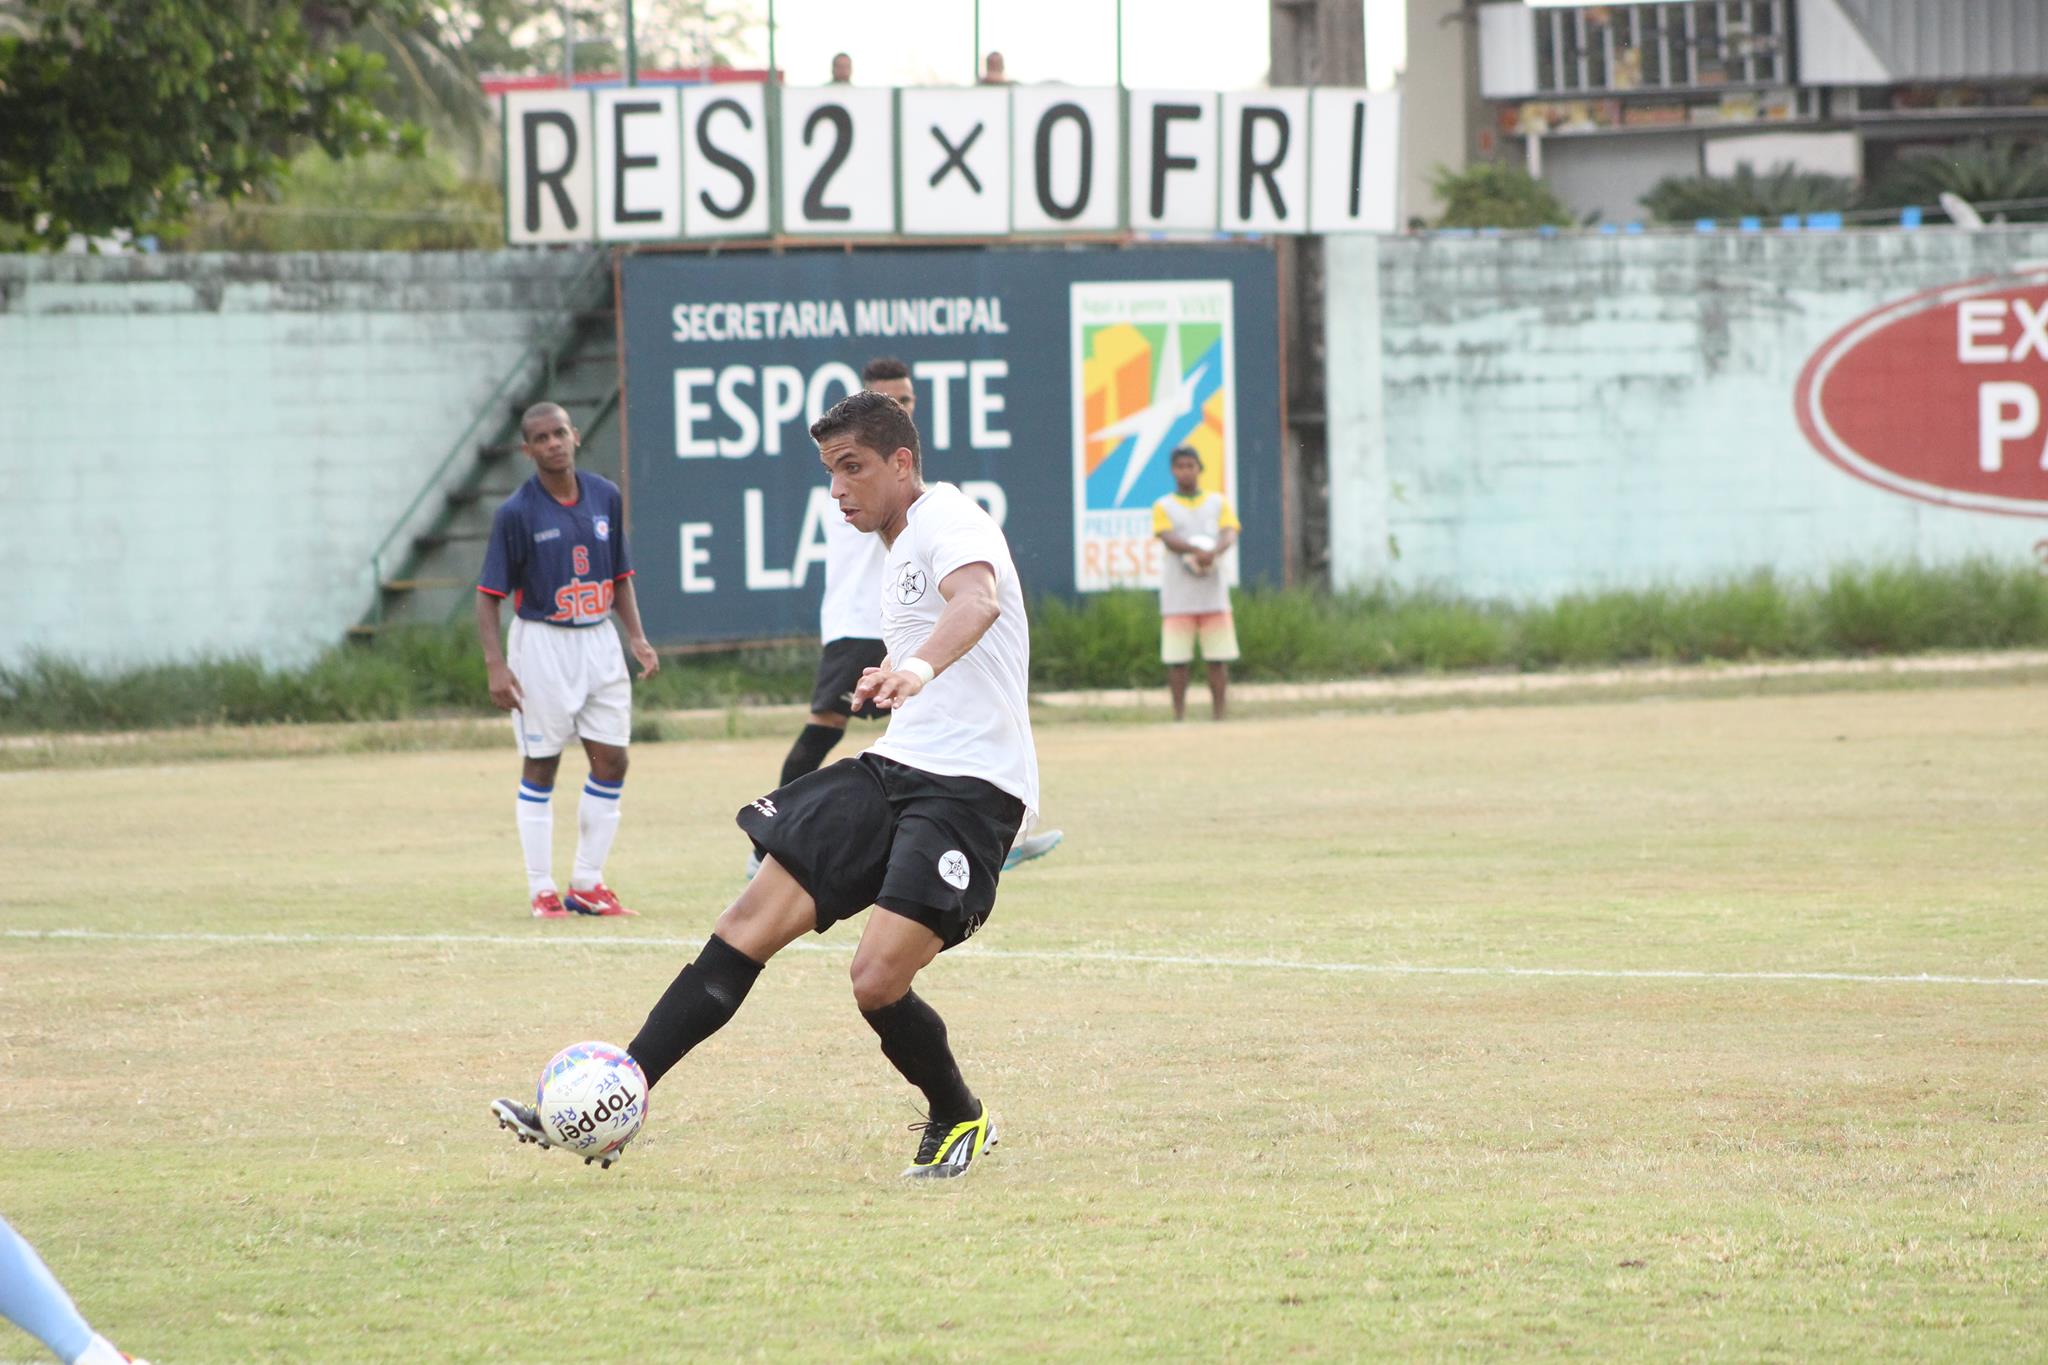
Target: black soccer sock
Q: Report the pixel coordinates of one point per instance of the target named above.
(914, 1040)
(809, 751)
(698, 1003)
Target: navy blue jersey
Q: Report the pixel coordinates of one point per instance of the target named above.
(557, 563)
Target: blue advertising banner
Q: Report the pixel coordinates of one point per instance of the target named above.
(1052, 385)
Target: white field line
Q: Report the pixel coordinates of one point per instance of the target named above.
(1031, 955)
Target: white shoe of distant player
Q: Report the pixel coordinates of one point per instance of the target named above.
(1033, 846)
(753, 863)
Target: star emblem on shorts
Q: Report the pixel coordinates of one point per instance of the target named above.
(953, 869)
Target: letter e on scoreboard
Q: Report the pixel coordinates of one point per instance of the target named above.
(639, 164)
(550, 167)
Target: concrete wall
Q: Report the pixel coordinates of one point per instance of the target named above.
(1525, 417)
(202, 451)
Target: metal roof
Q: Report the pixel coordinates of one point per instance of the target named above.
(1930, 40)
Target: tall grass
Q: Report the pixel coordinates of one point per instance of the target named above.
(1112, 640)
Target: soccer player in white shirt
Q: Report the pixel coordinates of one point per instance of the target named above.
(916, 827)
(850, 632)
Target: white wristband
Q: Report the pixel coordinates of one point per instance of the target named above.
(918, 666)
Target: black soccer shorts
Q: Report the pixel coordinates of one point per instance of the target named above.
(871, 831)
(840, 665)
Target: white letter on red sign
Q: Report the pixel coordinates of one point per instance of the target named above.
(1995, 427)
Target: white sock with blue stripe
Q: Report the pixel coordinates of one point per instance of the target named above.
(597, 824)
(537, 836)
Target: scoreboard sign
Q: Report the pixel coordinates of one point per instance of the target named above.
(666, 162)
(1052, 386)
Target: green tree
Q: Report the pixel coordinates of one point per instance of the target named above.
(378, 202)
(1494, 194)
(1784, 189)
(1998, 176)
(127, 113)
(527, 35)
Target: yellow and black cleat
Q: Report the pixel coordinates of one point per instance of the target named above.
(947, 1150)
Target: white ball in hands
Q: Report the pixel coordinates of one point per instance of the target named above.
(1206, 544)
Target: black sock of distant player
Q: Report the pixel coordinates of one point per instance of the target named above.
(698, 1003)
(809, 751)
(914, 1040)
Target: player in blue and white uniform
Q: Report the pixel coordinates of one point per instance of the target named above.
(558, 551)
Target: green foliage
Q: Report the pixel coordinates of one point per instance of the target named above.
(1784, 189)
(1494, 194)
(122, 114)
(527, 35)
(1111, 640)
(379, 202)
(1987, 173)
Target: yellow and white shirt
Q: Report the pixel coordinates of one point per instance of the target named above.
(1181, 591)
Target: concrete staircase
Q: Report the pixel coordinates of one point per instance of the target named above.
(427, 569)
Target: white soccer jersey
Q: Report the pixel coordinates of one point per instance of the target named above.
(972, 720)
(852, 606)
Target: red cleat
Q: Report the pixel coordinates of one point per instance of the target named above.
(594, 900)
(548, 905)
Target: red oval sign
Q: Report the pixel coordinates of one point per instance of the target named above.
(1942, 396)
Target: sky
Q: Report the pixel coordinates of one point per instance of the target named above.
(932, 42)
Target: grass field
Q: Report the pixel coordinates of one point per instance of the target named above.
(1245, 1115)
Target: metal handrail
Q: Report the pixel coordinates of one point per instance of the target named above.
(542, 352)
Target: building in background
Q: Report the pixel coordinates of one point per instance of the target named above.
(1604, 100)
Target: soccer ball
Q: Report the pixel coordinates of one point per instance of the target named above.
(592, 1099)
(1196, 566)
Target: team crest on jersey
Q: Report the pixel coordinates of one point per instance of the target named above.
(910, 585)
(604, 528)
(953, 869)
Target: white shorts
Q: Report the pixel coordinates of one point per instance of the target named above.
(573, 682)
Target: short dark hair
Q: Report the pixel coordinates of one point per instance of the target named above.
(540, 409)
(1188, 451)
(883, 367)
(874, 420)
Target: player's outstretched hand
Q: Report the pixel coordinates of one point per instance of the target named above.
(886, 688)
(650, 662)
(505, 692)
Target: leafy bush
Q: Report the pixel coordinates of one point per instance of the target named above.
(1495, 194)
(1783, 190)
(377, 202)
(1988, 173)
(1112, 640)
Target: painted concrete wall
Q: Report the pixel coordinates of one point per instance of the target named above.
(1526, 417)
(202, 451)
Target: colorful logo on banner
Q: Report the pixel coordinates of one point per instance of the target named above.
(1154, 369)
